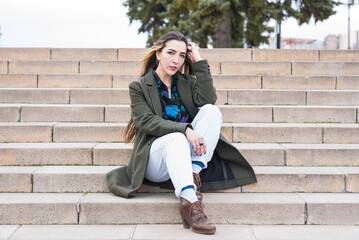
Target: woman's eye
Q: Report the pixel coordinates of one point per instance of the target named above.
(171, 53)
(183, 56)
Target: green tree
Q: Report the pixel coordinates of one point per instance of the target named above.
(223, 23)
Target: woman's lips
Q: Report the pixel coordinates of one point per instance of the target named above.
(173, 68)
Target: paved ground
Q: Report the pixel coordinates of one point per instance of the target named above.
(171, 232)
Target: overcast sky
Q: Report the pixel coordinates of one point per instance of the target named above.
(104, 24)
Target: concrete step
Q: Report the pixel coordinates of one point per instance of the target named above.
(130, 54)
(63, 179)
(224, 96)
(221, 81)
(227, 81)
(177, 232)
(115, 154)
(25, 53)
(122, 113)
(223, 208)
(235, 132)
(294, 133)
(290, 68)
(89, 67)
(217, 67)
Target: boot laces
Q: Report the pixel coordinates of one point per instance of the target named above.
(197, 179)
(198, 206)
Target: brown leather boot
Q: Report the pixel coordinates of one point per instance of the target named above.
(198, 183)
(193, 216)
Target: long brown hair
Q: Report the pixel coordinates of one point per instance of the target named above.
(151, 62)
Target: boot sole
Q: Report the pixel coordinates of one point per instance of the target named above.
(211, 231)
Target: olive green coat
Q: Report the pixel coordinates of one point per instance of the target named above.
(147, 114)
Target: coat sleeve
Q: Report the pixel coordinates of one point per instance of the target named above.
(203, 90)
(145, 120)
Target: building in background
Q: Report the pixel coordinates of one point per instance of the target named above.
(296, 43)
(333, 42)
(0, 37)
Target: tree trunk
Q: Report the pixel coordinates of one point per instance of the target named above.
(223, 32)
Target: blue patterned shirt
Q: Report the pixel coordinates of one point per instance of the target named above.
(172, 107)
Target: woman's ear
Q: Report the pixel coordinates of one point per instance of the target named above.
(158, 56)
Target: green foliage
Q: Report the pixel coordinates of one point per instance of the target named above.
(198, 19)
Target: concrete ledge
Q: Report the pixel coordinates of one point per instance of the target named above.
(299, 82)
(308, 232)
(3, 67)
(25, 132)
(325, 68)
(16, 179)
(132, 54)
(322, 207)
(93, 179)
(314, 114)
(74, 81)
(100, 96)
(46, 154)
(23, 95)
(352, 178)
(322, 154)
(274, 55)
(94, 54)
(266, 97)
(257, 68)
(333, 98)
(91, 132)
(167, 232)
(78, 232)
(112, 154)
(97, 208)
(276, 133)
(18, 80)
(232, 81)
(348, 83)
(24, 54)
(6, 231)
(341, 133)
(110, 67)
(35, 208)
(18, 66)
(297, 179)
(262, 154)
(225, 54)
(339, 56)
(246, 113)
(9, 113)
(123, 81)
(177, 232)
(71, 179)
(118, 113)
(63, 113)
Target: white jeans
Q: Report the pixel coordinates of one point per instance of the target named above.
(171, 155)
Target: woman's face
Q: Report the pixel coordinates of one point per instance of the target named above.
(172, 57)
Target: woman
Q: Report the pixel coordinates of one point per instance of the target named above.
(176, 128)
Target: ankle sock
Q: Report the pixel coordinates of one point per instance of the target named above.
(197, 166)
(189, 194)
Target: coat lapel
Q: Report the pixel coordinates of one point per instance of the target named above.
(155, 103)
(186, 96)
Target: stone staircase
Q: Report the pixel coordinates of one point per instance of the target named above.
(292, 113)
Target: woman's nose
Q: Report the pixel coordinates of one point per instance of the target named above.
(175, 58)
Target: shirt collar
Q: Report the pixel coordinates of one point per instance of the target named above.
(160, 83)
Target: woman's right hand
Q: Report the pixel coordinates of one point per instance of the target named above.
(193, 52)
(196, 141)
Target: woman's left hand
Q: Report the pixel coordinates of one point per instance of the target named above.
(193, 52)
